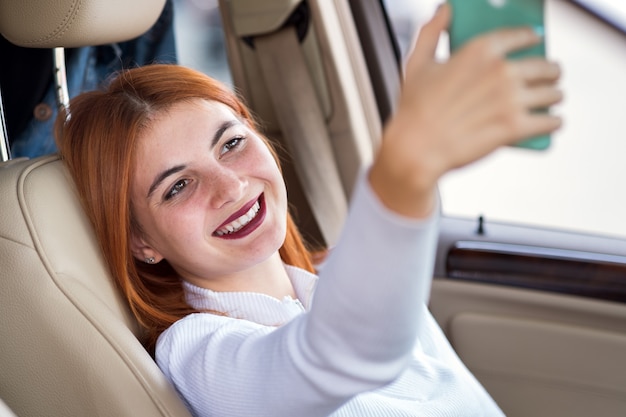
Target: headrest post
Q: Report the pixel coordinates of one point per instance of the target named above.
(5, 147)
(60, 79)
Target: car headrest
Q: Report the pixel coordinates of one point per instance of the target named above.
(76, 23)
(68, 340)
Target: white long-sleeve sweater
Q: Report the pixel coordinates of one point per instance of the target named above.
(364, 345)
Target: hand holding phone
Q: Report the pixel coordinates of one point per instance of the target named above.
(474, 17)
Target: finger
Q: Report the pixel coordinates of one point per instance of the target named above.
(528, 126)
(505, 41)
(536, 70)
(541, 97)
(428, 38)
(541, 124)
(510, 118)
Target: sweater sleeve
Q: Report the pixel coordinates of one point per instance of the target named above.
(357, 336)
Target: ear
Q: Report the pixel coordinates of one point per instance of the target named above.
(142, 250)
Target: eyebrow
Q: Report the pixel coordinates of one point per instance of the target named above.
(223, 128)
(173, 170)
(162, 176)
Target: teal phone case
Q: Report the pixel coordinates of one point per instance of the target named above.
(474, 17)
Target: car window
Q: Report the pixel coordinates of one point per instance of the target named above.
(576, 184)
(612, 11)
(200, 39)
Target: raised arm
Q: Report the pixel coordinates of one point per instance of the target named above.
(369, 305)
(453, 113)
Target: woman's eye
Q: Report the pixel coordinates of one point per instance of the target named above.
(231, 144)
(176, 188)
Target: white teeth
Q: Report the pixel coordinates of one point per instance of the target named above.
(240, 222)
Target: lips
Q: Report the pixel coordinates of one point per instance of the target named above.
(244, 221)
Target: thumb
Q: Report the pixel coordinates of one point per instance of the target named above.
(428, 38)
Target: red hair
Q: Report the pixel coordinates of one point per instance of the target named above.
(97, 144)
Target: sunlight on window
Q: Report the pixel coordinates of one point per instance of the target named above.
(577, 183)
(613, 11)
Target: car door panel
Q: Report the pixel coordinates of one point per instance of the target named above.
(537, 353)
(538, 315)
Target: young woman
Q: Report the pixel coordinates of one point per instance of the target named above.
(189, 205)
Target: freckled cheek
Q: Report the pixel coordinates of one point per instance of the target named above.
(185, 223)
(259, 154)
(264, 166)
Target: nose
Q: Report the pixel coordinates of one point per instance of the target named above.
(225, 186)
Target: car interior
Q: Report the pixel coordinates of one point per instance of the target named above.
(539, 316)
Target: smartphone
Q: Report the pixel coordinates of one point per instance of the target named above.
(474, 17)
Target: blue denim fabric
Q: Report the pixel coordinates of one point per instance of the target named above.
(87, 68)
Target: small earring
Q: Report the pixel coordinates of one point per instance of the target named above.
(149, 260)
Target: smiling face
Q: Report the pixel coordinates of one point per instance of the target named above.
(208, 196)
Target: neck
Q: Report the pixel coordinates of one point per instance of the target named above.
(269, 278)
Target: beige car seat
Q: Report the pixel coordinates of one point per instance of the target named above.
(5, 411)
(67, 340)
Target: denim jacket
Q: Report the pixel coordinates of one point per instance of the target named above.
(86, 69)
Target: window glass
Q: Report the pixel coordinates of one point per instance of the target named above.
(613, 11)
(200, 38)
(577, 183)
(574, 185)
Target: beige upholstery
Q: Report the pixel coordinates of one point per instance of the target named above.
(5, 411)
(66, 337)
(74, 23)
(67, 346)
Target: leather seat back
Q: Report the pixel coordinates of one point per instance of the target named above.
(68, 341)
(68, 344)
